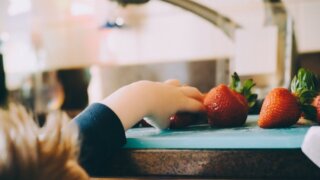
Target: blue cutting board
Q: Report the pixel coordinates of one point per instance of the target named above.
(249, 136)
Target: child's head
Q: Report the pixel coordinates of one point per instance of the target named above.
(30, 152)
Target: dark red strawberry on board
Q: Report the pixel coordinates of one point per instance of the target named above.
(185, 119)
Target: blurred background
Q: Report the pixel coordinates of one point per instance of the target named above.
(65, 54)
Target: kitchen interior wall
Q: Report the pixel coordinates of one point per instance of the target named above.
(310, 61)
(201, 74)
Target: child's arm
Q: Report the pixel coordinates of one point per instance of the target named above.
(102, 125)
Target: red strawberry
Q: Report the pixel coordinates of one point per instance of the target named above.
(224, 108)
(316, 104)
(228, 106)
(185, 119)
(279, 109)
(282, 108)
(241, 98)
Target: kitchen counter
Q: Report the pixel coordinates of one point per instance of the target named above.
(204, 152)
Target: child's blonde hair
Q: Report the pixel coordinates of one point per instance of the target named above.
(30, 152)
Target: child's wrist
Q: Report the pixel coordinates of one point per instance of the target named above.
(146, 96)
(131, 103)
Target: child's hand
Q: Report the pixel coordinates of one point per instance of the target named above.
(170, 98)
(155, 100)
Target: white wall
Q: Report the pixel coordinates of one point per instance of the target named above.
(155, 32)
(306, 14)
(171, 34)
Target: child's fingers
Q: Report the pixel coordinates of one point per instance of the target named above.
(192, 92)
(193, 105)
(173, 82)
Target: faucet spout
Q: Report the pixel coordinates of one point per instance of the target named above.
(223, 22)
(227, 25)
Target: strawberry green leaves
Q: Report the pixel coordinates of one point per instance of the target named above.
(305, 86)
(245, 89)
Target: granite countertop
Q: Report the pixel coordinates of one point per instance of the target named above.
(204, 152)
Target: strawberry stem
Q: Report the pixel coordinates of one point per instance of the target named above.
(235, 83)
(244, 89)
(305, 86)
(304, 80)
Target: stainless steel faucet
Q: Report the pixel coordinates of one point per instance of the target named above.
(277, 15)
(217, 19)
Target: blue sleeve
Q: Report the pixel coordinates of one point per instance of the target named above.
(102, 134)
